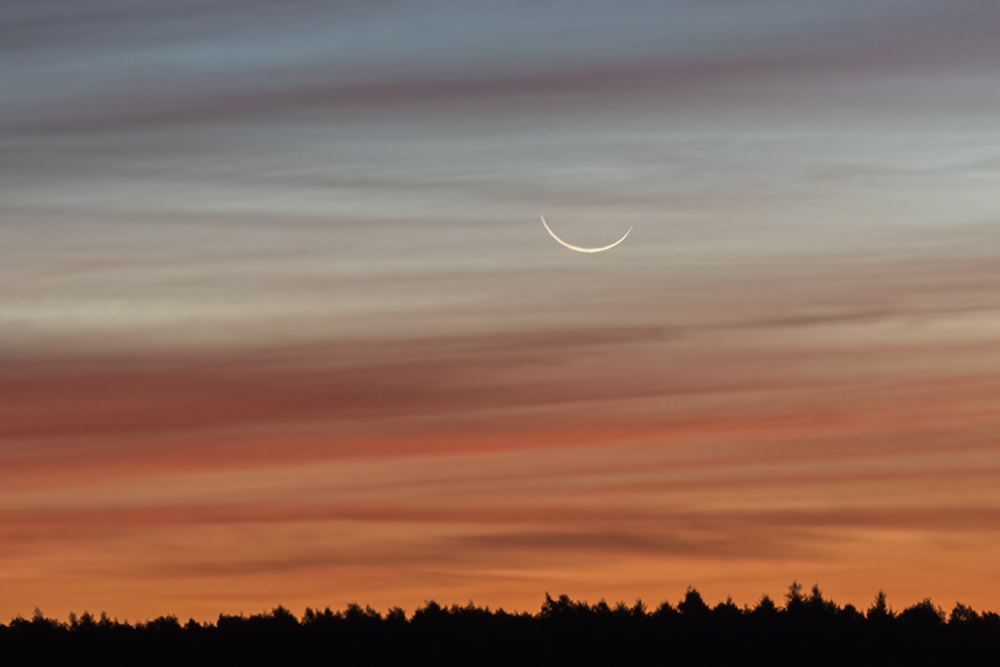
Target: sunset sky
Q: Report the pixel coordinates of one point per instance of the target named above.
(280, 324)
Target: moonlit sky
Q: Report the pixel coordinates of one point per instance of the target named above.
(279, 322)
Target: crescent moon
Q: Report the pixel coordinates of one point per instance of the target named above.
(577, 248)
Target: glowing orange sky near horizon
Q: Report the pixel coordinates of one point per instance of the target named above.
(615, 463)
(279, 323)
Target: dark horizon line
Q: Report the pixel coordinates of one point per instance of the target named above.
(692, 605)
(807, 629)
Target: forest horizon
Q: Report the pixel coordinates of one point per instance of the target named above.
(563, 631)
(796, 599)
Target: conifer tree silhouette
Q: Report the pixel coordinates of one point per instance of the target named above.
(807, 630)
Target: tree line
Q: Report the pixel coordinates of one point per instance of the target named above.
(806, 629)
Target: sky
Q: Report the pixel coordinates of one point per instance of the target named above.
(280, 324)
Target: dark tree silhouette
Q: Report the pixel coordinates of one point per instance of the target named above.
(880, 609)
(693, 606)
(765, 608)
(794, 601)
(808, 629)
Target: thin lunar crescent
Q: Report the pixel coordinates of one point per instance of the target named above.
(577, 248)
